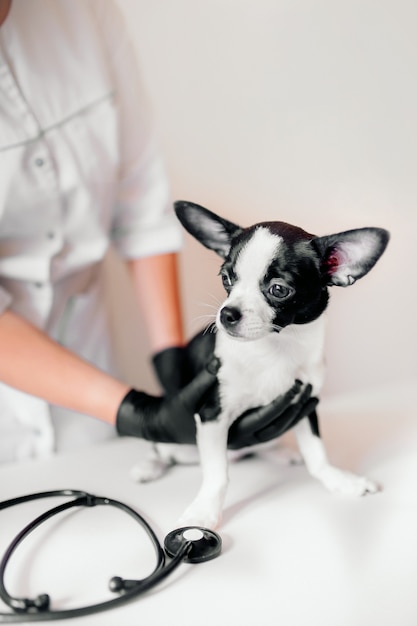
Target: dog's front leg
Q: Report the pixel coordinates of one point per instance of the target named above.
(315, 457)
(206, 509)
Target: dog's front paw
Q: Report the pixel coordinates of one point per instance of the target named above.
(149, 470)
(198, 514)
(346, 483)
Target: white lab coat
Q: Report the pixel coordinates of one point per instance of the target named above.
(78, 171)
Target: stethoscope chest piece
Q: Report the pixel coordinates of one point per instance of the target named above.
(205, 544)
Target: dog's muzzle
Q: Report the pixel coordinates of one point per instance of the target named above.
(242, 326)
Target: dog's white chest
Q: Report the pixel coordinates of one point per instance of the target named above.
(253, 373)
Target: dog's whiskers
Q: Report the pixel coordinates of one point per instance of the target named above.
(210, 306)
(215, 298)
(210, 326)
(206, 316)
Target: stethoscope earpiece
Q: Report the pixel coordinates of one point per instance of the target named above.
(205, 544)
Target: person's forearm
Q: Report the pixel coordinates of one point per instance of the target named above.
(156, 286)
(32, 362)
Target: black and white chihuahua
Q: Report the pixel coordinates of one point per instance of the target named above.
(270, 331)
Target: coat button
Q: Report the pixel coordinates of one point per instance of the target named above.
(39, 162)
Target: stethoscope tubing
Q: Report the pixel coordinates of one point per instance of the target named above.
(23, 614)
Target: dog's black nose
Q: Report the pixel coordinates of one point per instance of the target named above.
(230, 316)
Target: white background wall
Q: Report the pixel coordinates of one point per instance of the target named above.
(297, 110)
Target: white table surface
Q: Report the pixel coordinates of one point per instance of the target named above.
(293, 554)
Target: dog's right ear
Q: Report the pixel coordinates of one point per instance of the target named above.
(212, 231)
(348, 256)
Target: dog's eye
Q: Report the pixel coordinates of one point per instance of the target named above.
(227, 283)
(280, 291)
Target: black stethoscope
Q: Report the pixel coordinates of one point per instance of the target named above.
(188, 544)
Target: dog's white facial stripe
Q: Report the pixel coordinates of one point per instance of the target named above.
(257, 256)
(251, 265)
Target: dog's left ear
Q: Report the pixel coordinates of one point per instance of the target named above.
(210, 229)
(350, 255)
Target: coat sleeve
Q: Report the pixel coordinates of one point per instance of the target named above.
(144, 222)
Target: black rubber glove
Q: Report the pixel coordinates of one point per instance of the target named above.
(166, 419)
(171, 419)
(175, 367)
(273, 420)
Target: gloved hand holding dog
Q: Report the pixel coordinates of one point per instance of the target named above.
(188, 376)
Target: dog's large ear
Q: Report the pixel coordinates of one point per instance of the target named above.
(350, 255)
(212, 231)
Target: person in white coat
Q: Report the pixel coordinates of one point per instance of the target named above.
(79, 172)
